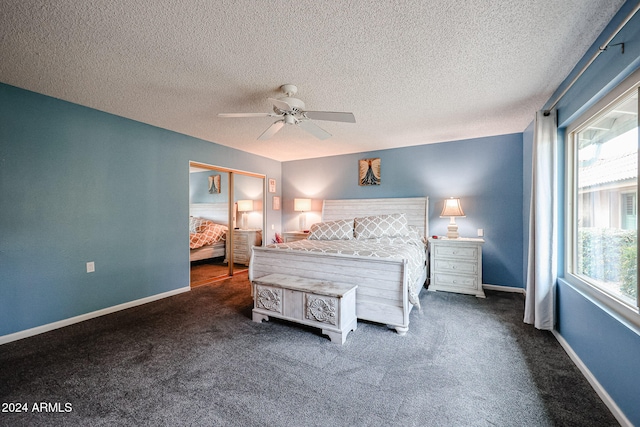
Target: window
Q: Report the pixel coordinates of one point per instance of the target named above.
(629, 211)
(602, 179)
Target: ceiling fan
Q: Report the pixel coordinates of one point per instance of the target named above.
(292, 112)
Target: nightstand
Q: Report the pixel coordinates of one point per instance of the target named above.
(243, 241)
(292, 236)
(456, 265)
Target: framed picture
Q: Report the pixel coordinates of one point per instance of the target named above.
(214, 184)
(272, 185)
(369, 171)
(276, 203)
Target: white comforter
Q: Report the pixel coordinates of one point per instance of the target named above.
(413, 249)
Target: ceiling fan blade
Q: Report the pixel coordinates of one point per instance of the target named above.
(314, 129)
(271, 130)
(333, 116)
(281, 105)
(245, 114)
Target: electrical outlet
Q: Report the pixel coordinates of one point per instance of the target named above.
(273, 226)
(480, 232)
(91, 267)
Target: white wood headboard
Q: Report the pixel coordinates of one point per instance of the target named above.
(415, 208)
(216, 212)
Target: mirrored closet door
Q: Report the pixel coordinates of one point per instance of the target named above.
(226, 218)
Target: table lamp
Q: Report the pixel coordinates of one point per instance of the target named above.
(452, 209)
(245, 206)
(302, 205)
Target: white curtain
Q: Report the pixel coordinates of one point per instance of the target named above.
(543, 254)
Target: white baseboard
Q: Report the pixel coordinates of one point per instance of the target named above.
(504, 289)
(611, 404)
(81, 318)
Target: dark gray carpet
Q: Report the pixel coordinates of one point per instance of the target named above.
(198, 359)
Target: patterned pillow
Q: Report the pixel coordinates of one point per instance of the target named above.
(414, 232)
(218, 232)
(208, 234)
(341, 229)
(196, 224)
(372, 227)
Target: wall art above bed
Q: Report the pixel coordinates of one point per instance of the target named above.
(214, 184)
(369, 171)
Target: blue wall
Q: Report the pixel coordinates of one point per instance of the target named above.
(486, 173)
(608, 347)
(80, 185)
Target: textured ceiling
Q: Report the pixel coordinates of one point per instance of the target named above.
(413, 72)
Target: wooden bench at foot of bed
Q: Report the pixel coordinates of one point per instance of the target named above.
(326, 305)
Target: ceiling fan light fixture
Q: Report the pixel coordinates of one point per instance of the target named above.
(292, 111)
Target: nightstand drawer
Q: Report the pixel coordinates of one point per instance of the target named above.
(455, 266)
(239, 246)
(457, 281)
(240, 253)
(463, 252)
(240, 239)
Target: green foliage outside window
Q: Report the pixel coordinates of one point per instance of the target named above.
(629, 276)
(610, 256)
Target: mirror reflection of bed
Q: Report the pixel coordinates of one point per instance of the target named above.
(208, 228)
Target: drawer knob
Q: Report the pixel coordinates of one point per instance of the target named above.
(455, 252)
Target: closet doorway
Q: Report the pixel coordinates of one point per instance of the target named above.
(226, 218)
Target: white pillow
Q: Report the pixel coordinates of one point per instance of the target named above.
(372, 227)
(415, 232)
(341, 229)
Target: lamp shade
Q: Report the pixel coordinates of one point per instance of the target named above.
(302, 205)
(245, 205)
(452, 208)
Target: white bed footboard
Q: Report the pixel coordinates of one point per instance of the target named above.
(382, 294)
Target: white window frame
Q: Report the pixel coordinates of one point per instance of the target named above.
(617, 308)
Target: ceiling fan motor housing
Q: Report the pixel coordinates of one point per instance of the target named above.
(296, 105)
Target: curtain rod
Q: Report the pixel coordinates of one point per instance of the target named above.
(593, 58)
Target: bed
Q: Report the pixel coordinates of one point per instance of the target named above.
(390, 270)
(207, 230)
